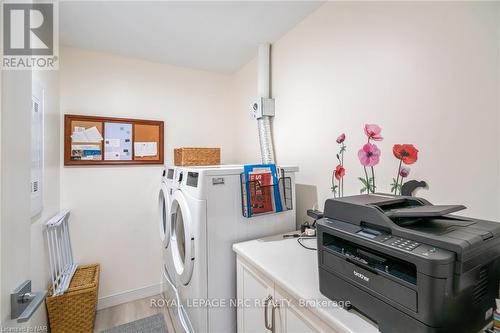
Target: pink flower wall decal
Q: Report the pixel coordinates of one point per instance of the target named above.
(372, 131)
(404, 171)
(341, 138)
(369, 155)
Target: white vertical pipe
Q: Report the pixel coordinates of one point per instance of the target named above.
(264, 73)
(263, 89)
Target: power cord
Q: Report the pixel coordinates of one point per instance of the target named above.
(308, 231)
(301, 237)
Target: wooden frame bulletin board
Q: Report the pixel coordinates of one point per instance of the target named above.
(91, 140)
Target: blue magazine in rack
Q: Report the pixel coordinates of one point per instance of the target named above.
(262, 189)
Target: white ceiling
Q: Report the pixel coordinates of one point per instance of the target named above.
(215, 36)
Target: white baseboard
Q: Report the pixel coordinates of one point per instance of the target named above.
(128, 296)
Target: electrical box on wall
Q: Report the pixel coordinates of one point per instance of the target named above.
(36, 151)
(262, 107)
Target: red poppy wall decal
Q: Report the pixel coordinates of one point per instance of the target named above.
(339, 172)
(407, 154)
(369, 156)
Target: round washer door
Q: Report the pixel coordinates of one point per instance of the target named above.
(164, 214)
(182, 237)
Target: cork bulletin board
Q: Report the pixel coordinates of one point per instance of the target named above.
(146, 133)
(92, 140)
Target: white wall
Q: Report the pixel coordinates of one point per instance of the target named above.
(427, 73)
(114, 209)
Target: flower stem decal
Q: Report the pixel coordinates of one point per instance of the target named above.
(339, 172)
(407, 154)
(369, 156)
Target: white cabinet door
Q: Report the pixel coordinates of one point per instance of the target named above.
(295, 323)
(293, 318)
(288, 318)
(252, 289)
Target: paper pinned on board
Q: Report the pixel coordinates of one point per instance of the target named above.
(112, 143)
(142, 149)
(112, 156)
(89, 135)
(118, 141)
(85, 152)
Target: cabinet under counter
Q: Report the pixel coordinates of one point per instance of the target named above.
(278, 291)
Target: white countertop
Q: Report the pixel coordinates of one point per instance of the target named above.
(295, 270)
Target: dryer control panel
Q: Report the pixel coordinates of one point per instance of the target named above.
(192, 179)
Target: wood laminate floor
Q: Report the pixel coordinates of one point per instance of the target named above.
(128, 312)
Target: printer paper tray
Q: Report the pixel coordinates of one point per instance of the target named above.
(380, 263)
(372, 281)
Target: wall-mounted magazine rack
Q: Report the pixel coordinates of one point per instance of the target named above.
(280, 194)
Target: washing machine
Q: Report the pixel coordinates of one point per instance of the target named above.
(206, 220)
(164, 203)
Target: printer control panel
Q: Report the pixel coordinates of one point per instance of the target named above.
(409, 245)
(398, 242)
(404, 243)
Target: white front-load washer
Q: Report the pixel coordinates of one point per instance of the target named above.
(206, 220)
(183, 211)
(169, 290)
(164, 201)
(188, 239)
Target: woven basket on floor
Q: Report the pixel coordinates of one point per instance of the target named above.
(196, 156)
(75, 310)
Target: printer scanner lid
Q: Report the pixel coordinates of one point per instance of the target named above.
(412, 217)
(391, 207)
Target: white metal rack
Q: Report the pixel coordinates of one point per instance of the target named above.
(62, 267)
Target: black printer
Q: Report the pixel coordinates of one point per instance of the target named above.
(408, 265)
